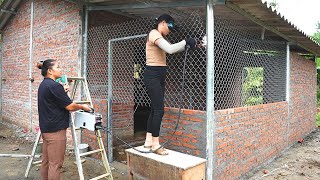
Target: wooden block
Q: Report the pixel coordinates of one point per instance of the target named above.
(175, 166)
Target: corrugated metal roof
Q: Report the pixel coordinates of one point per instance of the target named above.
(255, 10)
(8, 9)
(264, 15)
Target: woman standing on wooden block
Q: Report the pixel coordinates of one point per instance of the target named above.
(155, 74)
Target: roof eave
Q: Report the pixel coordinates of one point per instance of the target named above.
(279, 25)
(8, 10)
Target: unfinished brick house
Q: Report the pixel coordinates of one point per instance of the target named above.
(248, 95)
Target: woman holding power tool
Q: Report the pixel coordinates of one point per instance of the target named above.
(155, 74)
(53, 108)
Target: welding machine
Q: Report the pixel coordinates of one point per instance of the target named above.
(88, 120)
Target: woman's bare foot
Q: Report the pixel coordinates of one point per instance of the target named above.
(148, 141)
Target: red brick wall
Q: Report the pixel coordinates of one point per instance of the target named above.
(249, 136)
(15, 84)
(302, 98)
(190, 137)
(56, 35)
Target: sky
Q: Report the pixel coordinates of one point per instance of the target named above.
(302, 13)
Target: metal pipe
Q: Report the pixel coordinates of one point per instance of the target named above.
(288, 73)
(263, 32)
(8, 11)
(128, 37)
(83, 60)
(1, 62)
(211, 125)
(110, 138)
(288, 90)
(30, 63)
(85, 42)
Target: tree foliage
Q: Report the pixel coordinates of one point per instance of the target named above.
(316, 35)
(274, 4)
(252, 86)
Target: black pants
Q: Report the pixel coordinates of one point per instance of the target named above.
(154, 80)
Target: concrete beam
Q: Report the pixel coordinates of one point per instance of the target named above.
(147, 5)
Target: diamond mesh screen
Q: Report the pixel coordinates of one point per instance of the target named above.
(248, 70)
(128, 61)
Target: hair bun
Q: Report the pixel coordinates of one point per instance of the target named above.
(39, 64)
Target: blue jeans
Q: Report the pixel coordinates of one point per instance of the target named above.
(154, 80)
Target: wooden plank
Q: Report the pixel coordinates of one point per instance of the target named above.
(90, 152)
(18, 155)
(101, 176)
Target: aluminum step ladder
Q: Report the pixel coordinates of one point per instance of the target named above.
(108, 174)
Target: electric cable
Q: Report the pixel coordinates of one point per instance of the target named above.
(179, 113)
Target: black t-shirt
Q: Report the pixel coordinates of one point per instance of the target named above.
(52, 100)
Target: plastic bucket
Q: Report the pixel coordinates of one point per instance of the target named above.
(83, 148)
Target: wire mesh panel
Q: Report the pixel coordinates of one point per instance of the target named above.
(249, 70)
(194, 96)
(128, 61)
(97, 63)
(128, 66)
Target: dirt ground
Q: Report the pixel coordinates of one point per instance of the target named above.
(14, 140)
(300, 162)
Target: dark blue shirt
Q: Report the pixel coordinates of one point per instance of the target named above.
(52, 100)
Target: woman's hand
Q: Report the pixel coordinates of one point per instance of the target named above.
(86, 108)
(191, 42)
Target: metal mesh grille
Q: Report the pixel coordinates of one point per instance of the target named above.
(128, 66)
(97, 63)
(248, 70)
(128, 58)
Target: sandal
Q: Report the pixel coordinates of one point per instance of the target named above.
(160, 151)
(147, 147)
